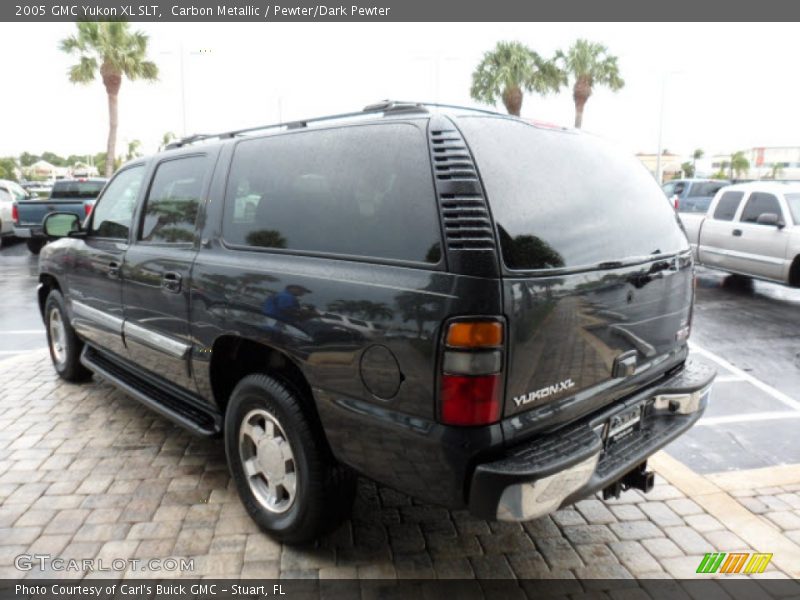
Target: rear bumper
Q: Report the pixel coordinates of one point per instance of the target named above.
(538, 477)
(28, 231)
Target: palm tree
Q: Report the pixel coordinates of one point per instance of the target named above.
(133, 149)
(738, 164)
(777, 170)
(588, 64)
(509, 70)
(696, 155)
(166, 139)
(113, 50)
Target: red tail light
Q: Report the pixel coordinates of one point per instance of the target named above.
(471, 380)
(15, 213)
(87, 208)
(675, 203)
(470, 399)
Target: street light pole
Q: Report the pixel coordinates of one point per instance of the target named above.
(659, 175)
(183, 91)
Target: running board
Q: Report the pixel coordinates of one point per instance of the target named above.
(170, 403)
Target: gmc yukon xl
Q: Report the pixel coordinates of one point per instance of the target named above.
(473, 309)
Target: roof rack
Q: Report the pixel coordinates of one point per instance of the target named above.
(385, 107)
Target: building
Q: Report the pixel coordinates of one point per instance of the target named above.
(670, 164)
(766, 162)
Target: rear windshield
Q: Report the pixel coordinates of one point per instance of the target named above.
(562, 200)
(76, 189)
(701, 189)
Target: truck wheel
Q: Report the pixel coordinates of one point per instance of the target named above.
(35, 246)
(65, 346)
(289, 483)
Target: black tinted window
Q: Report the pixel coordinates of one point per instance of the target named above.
(727, 206)
(76, 189)
(705, 188)
(758, 204)
(364, 190)
(564, 199)
(111, 216)
(171, 208)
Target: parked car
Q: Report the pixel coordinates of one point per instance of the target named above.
(692, 195)
(67, 195)
(750, 229)
(518, 345)
(10, 192)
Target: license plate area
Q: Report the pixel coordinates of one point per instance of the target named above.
(623, 424)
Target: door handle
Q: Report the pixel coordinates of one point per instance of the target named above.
(113, 270)
(737, 232)
(171, 281)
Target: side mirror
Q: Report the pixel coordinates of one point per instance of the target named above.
(770, 219)
(58, 225)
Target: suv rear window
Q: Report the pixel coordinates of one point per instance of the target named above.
(362, 190)
(76, 189)
(567, 200)
(701, 189)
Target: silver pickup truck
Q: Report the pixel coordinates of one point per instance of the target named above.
(750, 229)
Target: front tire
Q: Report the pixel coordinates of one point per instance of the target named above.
(64, 344)
(35, 246)
(283, 470)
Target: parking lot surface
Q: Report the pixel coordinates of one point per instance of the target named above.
(87, 472)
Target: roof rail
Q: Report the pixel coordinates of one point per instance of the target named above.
(386, 107)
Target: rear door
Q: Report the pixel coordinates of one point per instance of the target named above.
(759, 249)
(597, 271)
(157, 268)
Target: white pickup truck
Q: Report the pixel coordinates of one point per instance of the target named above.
(750, 229)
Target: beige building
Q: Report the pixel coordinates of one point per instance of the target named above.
(670, 164)
(766, 162)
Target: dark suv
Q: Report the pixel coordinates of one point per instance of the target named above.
(470, 308)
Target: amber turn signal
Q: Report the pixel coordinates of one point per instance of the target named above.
(475, 334)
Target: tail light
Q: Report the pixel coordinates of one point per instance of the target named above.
(471, 380)
(675, 202)
(15, 213)
(87, 208)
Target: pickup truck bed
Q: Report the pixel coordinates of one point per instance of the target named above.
(71, 196)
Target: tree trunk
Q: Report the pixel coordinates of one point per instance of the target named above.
(512, 98)
(580, 94)
(112, 80)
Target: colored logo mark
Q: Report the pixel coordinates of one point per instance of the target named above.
(734, 562)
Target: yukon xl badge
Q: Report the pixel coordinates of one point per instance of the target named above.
(550, 390)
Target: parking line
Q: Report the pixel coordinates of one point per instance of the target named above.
(750, 417)
(23, 332)
(777, 394)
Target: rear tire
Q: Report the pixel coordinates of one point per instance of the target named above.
(35, 246)
(64, 344)
(283, 470)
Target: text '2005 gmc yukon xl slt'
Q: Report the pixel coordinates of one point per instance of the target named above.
(750, 229)
(472, 309)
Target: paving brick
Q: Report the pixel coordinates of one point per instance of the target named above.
(635, 557)
(684, 506)
(688, 540)
(260, 547)
(559, 553)
(411, 566)
(193, 542)
(595, 512)
(635, 530)
(785, 519)
(67, 521)
(568, 516)
(453, 568)
(627, 512)
(662, 548)
(504, 543)
(703, 523)
(596, 554)
(661, 514)
(725, 541)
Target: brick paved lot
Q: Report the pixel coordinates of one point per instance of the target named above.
(85, 471)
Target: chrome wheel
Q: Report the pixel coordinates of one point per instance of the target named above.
(268, 461)
(58, 337)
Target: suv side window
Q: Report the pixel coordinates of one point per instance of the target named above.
(363, 190)
(758, 204)
(727, 206)
(172, 203)
(112, 214)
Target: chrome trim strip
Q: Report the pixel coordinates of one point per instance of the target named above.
(155, 340)
(97, 316)
(745, 255)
